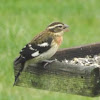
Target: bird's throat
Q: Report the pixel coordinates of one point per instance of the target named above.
(59, 40)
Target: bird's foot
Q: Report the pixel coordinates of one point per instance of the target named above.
(47, 62)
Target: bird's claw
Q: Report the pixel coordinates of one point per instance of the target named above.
(47, 62)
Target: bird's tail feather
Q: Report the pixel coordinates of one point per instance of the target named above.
(19, 65)
(18, 74)
(19, 60)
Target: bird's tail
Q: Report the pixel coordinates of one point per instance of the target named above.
(19, 60)
(18, 67)
(18, 74)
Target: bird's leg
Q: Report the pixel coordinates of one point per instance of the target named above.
(47, 62)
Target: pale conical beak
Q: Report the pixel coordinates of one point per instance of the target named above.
(66, 28)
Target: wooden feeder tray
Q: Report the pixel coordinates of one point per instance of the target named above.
(62, 77)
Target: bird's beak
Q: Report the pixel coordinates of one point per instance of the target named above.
(65, 29)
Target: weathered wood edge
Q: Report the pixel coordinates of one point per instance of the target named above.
(79, 51)
(79, 70)
(84, 73)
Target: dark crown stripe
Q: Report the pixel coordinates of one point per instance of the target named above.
(55, 23)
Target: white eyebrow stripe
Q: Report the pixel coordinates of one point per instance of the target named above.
(55, 26)
(35, 54)
(43, 44)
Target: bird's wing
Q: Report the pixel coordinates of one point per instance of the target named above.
(33, 50)
(30, 51)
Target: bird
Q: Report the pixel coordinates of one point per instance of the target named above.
(43, 46)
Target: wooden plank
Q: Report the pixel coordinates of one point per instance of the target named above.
(81, 51)
(62, 77)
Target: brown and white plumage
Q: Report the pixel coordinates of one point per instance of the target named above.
(42, 46)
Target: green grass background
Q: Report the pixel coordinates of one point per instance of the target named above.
(20, 20)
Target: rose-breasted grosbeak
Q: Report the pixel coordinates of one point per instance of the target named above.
(43, 46)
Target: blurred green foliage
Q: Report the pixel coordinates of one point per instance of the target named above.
(20, 20)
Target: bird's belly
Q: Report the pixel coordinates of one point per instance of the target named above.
(44, 56)
(49, 53)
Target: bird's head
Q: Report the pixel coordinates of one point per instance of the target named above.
(57, 28)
